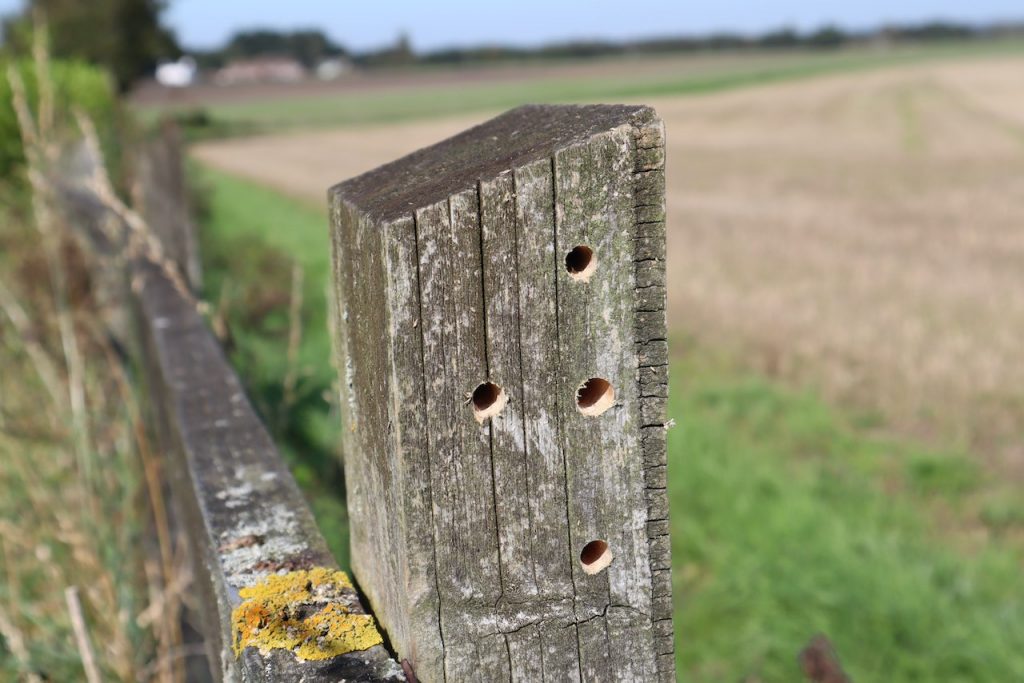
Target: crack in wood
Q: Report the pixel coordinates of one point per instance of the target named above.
(477, 573)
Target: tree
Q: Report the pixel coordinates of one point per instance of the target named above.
(785, 38)
(308, 46)
(827, 37)
(399, 54)
(313, 47)
(124, 36)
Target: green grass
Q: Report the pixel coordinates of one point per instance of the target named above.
(251, 237)
(698, 74)
(788, 522)
(789, 517)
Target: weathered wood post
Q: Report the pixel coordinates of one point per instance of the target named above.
(501, 326)
(164, 199)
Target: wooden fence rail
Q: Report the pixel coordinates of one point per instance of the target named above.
(274, 607)
(500, 318)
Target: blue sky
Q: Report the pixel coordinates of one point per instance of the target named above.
(362, 24)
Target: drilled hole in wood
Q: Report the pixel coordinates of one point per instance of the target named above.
(595, 396)
(580, 263)
(488, 400)
(595, 556)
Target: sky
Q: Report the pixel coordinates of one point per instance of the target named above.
(432, 24)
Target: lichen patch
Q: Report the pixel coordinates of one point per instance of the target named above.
(309, 612)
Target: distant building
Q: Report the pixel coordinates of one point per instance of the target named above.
(179, 74)
(261, 70)
(331, 69)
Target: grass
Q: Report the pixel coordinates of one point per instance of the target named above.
(75, 517)
(696, 75)
(251, 239)
(788, 521)
(91, 576)
(789, 517)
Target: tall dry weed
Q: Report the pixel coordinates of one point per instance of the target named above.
(91, 576)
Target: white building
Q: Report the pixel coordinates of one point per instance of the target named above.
(179, 74)
(331, 69)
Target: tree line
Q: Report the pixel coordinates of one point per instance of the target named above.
(126, 37)
(305, 45)
(825, 37)
(129, 38)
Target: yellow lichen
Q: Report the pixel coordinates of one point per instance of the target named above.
(305, 612)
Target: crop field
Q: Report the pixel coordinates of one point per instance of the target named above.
(789, 517)
(846, 303)
(857, 232)
(432, 92)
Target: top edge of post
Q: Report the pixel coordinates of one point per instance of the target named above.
(511, 140)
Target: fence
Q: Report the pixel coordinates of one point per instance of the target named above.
(500, 321)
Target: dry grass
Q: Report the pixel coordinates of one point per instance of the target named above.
(84, 591)
(857, 232)
(863, 234)
(78, 571)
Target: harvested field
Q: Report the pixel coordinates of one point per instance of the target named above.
(863, 233)
(430, 79)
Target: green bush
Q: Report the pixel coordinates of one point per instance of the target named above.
(76, 86)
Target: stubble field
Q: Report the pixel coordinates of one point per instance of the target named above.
(857, 233)
(861, 233)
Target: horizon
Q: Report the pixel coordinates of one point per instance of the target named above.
(852, 31)
(201, 26)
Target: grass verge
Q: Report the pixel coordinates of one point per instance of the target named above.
(252, 239)
(789, 518)
(790, 521)
(83, 589)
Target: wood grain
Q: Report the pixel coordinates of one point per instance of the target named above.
(509, 503)
(232, 493)
(244, 515)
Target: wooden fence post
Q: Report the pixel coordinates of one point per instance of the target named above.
(501, 329)
(164, 199)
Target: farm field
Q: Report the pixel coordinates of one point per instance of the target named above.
(846, 240)
(432, 92)
(789, 517)
(845, 415)
(858, 233)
